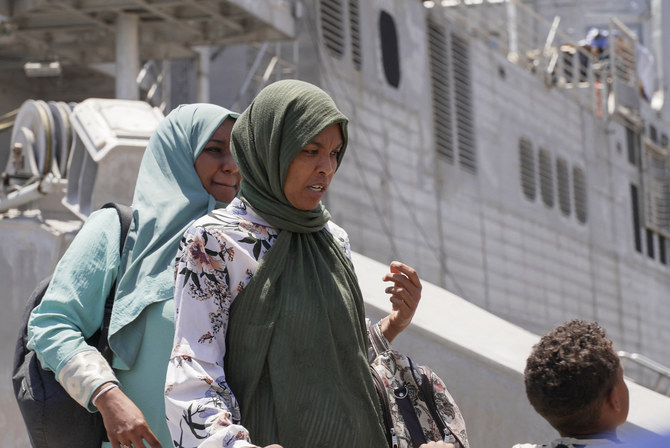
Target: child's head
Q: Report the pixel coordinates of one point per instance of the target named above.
(574, 379)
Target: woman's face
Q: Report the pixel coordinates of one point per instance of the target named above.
(215, 165)
(311, 171)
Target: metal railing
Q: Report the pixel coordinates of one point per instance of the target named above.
(659, 371)
(530, 41)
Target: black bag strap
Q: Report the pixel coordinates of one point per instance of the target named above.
(408, 413)
(426, 387)
(125, 213)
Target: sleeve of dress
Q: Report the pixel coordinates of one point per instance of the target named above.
(200, 407)
(73, 306)
(377, 342)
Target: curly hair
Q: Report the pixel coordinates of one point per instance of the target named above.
(569, 374)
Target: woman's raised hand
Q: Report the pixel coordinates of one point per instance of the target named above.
(405, 296)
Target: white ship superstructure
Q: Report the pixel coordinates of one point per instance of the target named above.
(507, 162)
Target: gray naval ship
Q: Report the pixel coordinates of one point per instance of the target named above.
(515, 152)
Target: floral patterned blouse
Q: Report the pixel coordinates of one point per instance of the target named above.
(217, 258)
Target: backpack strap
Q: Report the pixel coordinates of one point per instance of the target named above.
(427, 390)
(406, 408)
(125, 213)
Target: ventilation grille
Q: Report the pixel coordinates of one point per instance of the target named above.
(332, 26)
(439, 74)
(656, 189)
(546, 178)
(462, 93)
(527, 164)
(563, 178)
(355, 22)
(579, 190)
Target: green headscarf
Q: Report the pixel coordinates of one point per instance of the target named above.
(267, 137)
(169, 196)
(296, 347)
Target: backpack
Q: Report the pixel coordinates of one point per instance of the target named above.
(416, 405)
(52, 417)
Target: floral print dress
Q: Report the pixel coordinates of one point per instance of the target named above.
(217, 258)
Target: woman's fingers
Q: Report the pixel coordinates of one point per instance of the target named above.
(406, 288)
(402, 298)
(410, 272)
(124, 422)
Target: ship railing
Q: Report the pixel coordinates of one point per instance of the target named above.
(539, 46)
(273, 61)
(660, 374)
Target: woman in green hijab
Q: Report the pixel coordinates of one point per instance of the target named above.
(266, 288)
(186, 171)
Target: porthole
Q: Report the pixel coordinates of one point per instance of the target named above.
(389, 43)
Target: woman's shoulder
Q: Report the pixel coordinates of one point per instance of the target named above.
(100, 232)
(237, 221)
(340, 236)
(102, 217)
(337, 231)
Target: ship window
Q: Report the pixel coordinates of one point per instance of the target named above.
(460, 56)
(579, 190)
(656, 181)
(631, 143)
(635, 206)
(653, 135)
(563, 179)
(355, 22)
(440, 81)
(390, 54)
(527, 164)
(661, 250)
(650, 243)
(546, 178)
(332, 26)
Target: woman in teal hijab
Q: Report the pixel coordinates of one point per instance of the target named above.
(266, 288)
(186, 171)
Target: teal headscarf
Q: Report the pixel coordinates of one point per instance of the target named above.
(169, 196)
(296, 347)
